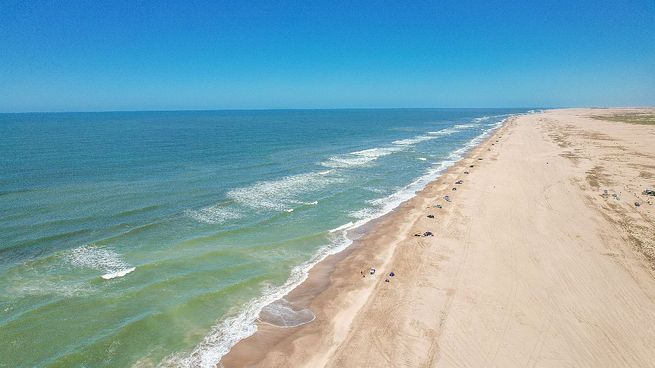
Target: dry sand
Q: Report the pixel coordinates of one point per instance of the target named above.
(530, 265)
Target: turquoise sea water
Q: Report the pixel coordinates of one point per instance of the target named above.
(155, 238)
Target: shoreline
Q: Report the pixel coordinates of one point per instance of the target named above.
(544, 257)
(252, 350)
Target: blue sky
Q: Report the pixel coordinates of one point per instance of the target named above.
(141, 55)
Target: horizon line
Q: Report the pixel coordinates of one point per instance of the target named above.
(321, 108)
(297, 109)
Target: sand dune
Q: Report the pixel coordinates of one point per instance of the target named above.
(531, 265)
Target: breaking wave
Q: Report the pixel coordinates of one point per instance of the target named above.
(106, 260)
(434, 135)
(359, 158)
(384, 205)
(279, 195)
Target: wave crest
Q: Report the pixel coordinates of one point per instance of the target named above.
(279, 195)
(359, 158)
(106, 260)
(213, 214)
(433, 135)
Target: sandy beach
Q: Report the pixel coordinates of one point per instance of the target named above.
(293, 184)
(544, 257)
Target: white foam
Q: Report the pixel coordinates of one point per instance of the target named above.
(422, 158)
(121, 273)
(362, 213)
(359, 158)
(280, 194)
(367, 156)
(342, 227)
(433, 135)
(442, 132)
(105, 260)
(386, 204)
(217, 214)
(374, 190)
(415, 140)
(41, 286)
(227, 332)
(465, 126)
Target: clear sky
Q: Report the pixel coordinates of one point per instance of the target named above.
(142, 55)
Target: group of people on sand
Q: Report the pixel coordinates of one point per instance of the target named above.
(447, 199)
(372, 271)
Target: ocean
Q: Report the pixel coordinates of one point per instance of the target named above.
(155, 238)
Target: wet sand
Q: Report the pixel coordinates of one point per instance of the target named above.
(531, 265)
